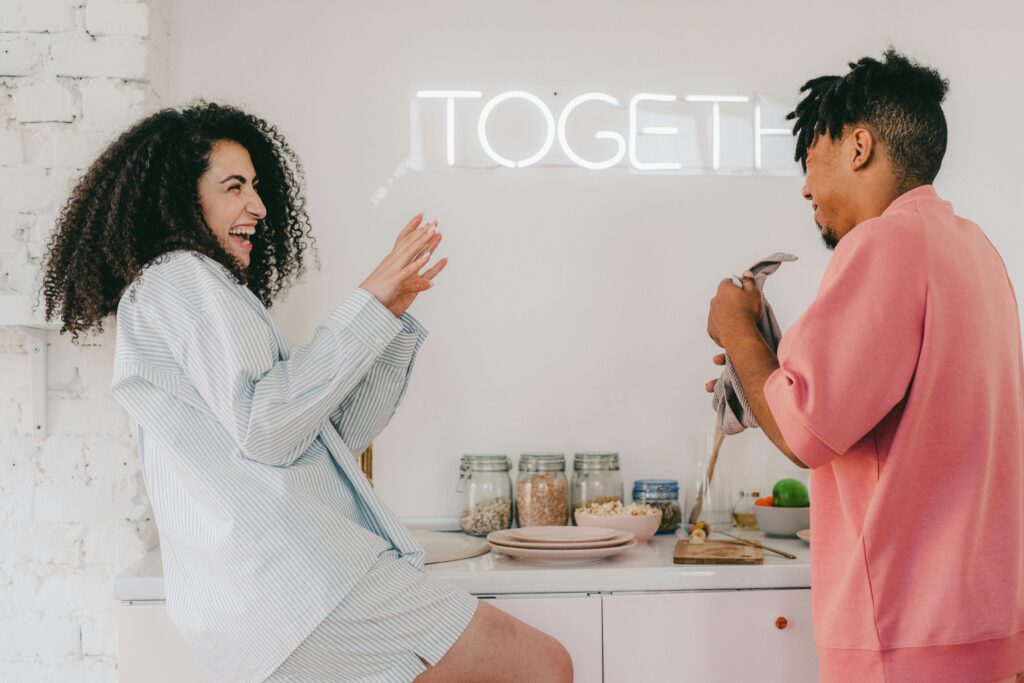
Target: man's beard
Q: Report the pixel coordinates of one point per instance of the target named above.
(827, 236)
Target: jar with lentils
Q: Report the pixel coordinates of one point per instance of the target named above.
(664, 495)
(542, 491)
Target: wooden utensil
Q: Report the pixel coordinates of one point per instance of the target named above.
(757, 544)
(706, 482)
(716, 552)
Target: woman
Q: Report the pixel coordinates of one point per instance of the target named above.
(280, 563)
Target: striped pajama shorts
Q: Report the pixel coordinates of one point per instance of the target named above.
(395, 615)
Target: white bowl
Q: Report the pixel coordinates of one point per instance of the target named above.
(782, 521)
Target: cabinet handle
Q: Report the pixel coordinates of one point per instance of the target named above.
(781, 623)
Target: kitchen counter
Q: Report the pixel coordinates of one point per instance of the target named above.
(645, 568)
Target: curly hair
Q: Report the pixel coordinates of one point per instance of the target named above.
(140, 200)
(899, 99)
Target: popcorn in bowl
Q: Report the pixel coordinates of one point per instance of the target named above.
(639, 519)
(615, 508)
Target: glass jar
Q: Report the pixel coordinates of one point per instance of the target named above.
(486, 490)
(664, 495)
(704, 487)
(743, 511)
(595, 479)
(542, 491)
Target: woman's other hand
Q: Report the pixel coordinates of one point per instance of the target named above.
(398, 279)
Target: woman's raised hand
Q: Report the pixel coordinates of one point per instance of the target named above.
(397, 280)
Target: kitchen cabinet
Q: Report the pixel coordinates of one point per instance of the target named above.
(573, 621)
(710, 637)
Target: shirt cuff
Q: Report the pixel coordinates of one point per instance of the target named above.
(366, 319)
(404, 347)
(779, 392)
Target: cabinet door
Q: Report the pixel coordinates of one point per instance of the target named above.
(150, 649)
(574, 621)
(710, 637)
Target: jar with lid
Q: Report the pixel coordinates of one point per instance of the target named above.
(542, 491)
(595, 479)
(664, 495)
(486, 490)
(743, 511)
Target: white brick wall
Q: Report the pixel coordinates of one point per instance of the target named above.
(73, 508)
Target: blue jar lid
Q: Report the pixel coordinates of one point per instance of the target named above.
(656, 487)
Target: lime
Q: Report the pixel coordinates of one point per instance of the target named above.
(790, 493)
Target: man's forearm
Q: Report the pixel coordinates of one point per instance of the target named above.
(754, 362)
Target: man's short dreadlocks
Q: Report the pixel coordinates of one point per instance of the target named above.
(898, 99)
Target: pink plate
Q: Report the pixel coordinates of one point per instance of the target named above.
(561, 555)
(561, 534)
(506, 538)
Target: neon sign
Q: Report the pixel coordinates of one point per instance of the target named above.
(645, 148)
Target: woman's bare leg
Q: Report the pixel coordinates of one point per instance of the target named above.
(498, 648)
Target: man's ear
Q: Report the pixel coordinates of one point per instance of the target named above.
(863, 148)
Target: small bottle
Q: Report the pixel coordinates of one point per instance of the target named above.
(486, 494)
(595, 479)
(542, 491)
(743, 511)
(664, 495)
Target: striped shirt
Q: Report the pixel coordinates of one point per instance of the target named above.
(266, 521)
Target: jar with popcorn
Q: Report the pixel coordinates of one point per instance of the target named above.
(486, 490)
(596, 479)
(542, 491)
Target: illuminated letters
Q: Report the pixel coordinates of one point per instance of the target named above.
(624, 146)
(649, 166)
(450, 96)
(548, 118)
(602, 135)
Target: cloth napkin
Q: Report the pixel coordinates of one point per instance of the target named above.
(730, 403)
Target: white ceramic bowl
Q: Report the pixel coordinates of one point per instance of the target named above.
(642, 526)
(782, 521)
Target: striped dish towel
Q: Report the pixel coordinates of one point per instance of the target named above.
(730, 403)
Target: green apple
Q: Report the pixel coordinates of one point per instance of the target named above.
(790, 493)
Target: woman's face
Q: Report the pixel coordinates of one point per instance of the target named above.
(227, 195)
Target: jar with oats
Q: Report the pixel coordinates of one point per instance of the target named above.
(542, 491)
(595, 479)
(486, 490)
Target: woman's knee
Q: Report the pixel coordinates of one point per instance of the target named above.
(559, 662)
(549, 661)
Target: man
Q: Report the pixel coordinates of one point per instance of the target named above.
(902, 387)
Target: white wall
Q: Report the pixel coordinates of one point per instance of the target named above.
(73, 508)
(572, 315)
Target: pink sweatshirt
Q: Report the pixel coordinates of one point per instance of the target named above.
(902, 386)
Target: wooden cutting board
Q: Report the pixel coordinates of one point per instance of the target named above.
(716, 552)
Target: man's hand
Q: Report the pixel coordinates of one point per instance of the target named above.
(735, 311)
(717, 360)
(732, 323)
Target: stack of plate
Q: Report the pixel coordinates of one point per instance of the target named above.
(560, 542)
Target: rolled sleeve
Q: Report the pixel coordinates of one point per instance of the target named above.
(367, 319)
(406, 344)
(851, 357)
(809, 448)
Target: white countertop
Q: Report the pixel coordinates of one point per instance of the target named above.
(645, 568)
